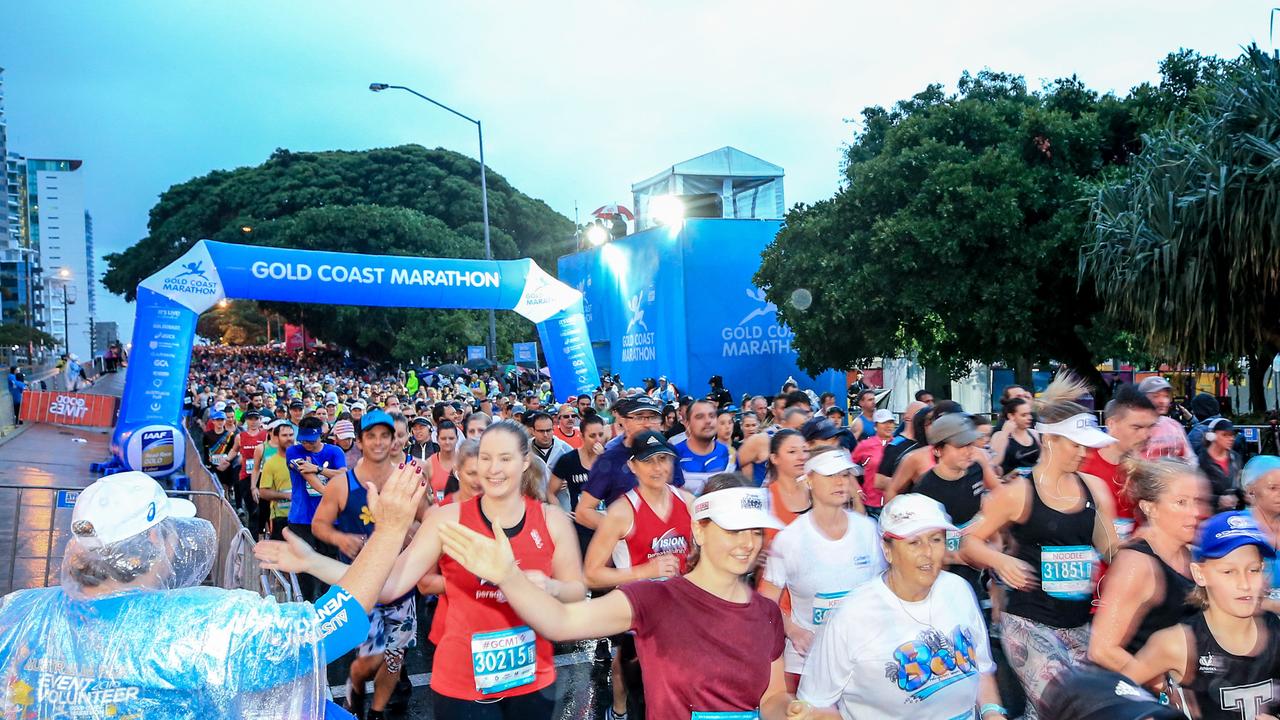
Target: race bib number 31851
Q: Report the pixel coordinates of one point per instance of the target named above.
(1066, 571)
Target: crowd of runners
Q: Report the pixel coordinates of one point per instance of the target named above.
(771, 556)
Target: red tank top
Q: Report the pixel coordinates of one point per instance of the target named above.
(439, 477)
(249, 442)
(652, 536)
(486, 650)
(442, 602)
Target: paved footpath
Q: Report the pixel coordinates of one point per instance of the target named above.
(38, 456)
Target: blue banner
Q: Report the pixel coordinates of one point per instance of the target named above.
(525, 353)
(149, 435)
(475, 352)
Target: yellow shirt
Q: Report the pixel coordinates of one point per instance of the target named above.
(275, 476)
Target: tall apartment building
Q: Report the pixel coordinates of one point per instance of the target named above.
(55, 222)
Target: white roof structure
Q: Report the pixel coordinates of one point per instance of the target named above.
(748, 186)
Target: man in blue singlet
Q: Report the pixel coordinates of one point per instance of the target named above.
(700, 454)
(343, 520)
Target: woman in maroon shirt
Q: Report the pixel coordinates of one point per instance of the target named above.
(708, 644)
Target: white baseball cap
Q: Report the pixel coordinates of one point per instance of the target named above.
(831, 462)
(881, 415)
(1081, 429)
(737, 508)
(908, 515)
(120, 506)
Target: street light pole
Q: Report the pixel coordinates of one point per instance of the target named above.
(66, 325)
(484, 193)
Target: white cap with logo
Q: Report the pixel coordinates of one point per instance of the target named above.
(737, 508)
(831, 462)
(908, 515)
(1081, 429)
(120, 506)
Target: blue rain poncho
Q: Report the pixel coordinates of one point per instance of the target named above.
(129, 634)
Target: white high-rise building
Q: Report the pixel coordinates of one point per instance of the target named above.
(56, 220)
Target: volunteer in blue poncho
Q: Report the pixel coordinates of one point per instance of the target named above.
(131, 633)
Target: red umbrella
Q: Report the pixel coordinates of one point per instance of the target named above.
(613, 210)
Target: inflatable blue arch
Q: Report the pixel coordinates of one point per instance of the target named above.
(149, 434)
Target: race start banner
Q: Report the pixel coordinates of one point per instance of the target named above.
(149, 436)
(68, 408)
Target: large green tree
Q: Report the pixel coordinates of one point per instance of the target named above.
(405, 200)
(1186, 246)
(956, 234)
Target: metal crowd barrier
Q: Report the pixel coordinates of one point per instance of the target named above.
(235, 566)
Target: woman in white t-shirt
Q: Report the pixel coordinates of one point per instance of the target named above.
(911, 643)
(820, 556)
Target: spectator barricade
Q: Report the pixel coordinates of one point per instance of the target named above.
(235, 566)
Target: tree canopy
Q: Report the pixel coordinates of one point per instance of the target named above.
(957, 232)
(405, 200)
(1186, 246)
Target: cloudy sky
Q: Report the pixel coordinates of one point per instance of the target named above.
(579, 100)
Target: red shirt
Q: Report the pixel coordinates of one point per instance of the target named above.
(701, 653)
(868, 454)
(574, 440)
(1111, 474)
(249, 442)
(477, 608)
(651, 536)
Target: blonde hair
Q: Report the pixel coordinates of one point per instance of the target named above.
(1149, 479)
(1058, 401)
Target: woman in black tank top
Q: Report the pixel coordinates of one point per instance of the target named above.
(1146, 588)
(1226, 658)
(1061, 524)
(1016, 445)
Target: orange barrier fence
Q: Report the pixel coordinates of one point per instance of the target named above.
(69, 408)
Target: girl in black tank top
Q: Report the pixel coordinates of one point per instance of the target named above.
(1226, 659)
(1017, 455)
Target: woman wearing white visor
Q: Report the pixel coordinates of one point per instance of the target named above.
(821, 556)
(709, 646)
(1061, 524)
(911, 643)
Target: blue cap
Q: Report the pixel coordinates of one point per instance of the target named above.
(377, 417)
(217, 415)
(1225, 532)
(311, 435)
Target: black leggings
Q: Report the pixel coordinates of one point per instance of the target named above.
(531, 706)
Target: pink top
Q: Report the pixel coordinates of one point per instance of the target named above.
(868, 454)
(1169, 440)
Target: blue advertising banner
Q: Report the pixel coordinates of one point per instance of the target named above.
(646, 306)
(149, 435)
(475, 352)
(525, 353)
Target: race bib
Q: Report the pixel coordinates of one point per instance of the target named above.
(1124, 528)
(953, 536)
(1066, 571)
(826, 603)
(731, 715)
(503, 659)
(217, 458)
(248, 465)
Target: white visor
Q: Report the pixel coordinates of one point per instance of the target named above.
(1081, 429)
(829, 463)
(737, 508)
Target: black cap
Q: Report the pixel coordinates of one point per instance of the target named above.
(296, 404)
(1095, 694)
(252, 414)
(420, 420)
(633, 404)
(649, 443)
(818, 428)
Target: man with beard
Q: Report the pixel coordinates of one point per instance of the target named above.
(700, 454)
(343, 520)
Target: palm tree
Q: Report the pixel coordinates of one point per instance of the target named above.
(1186, 248)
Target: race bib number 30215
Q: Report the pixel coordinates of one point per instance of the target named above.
(503, 659)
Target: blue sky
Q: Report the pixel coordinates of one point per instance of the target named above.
(579, 99)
